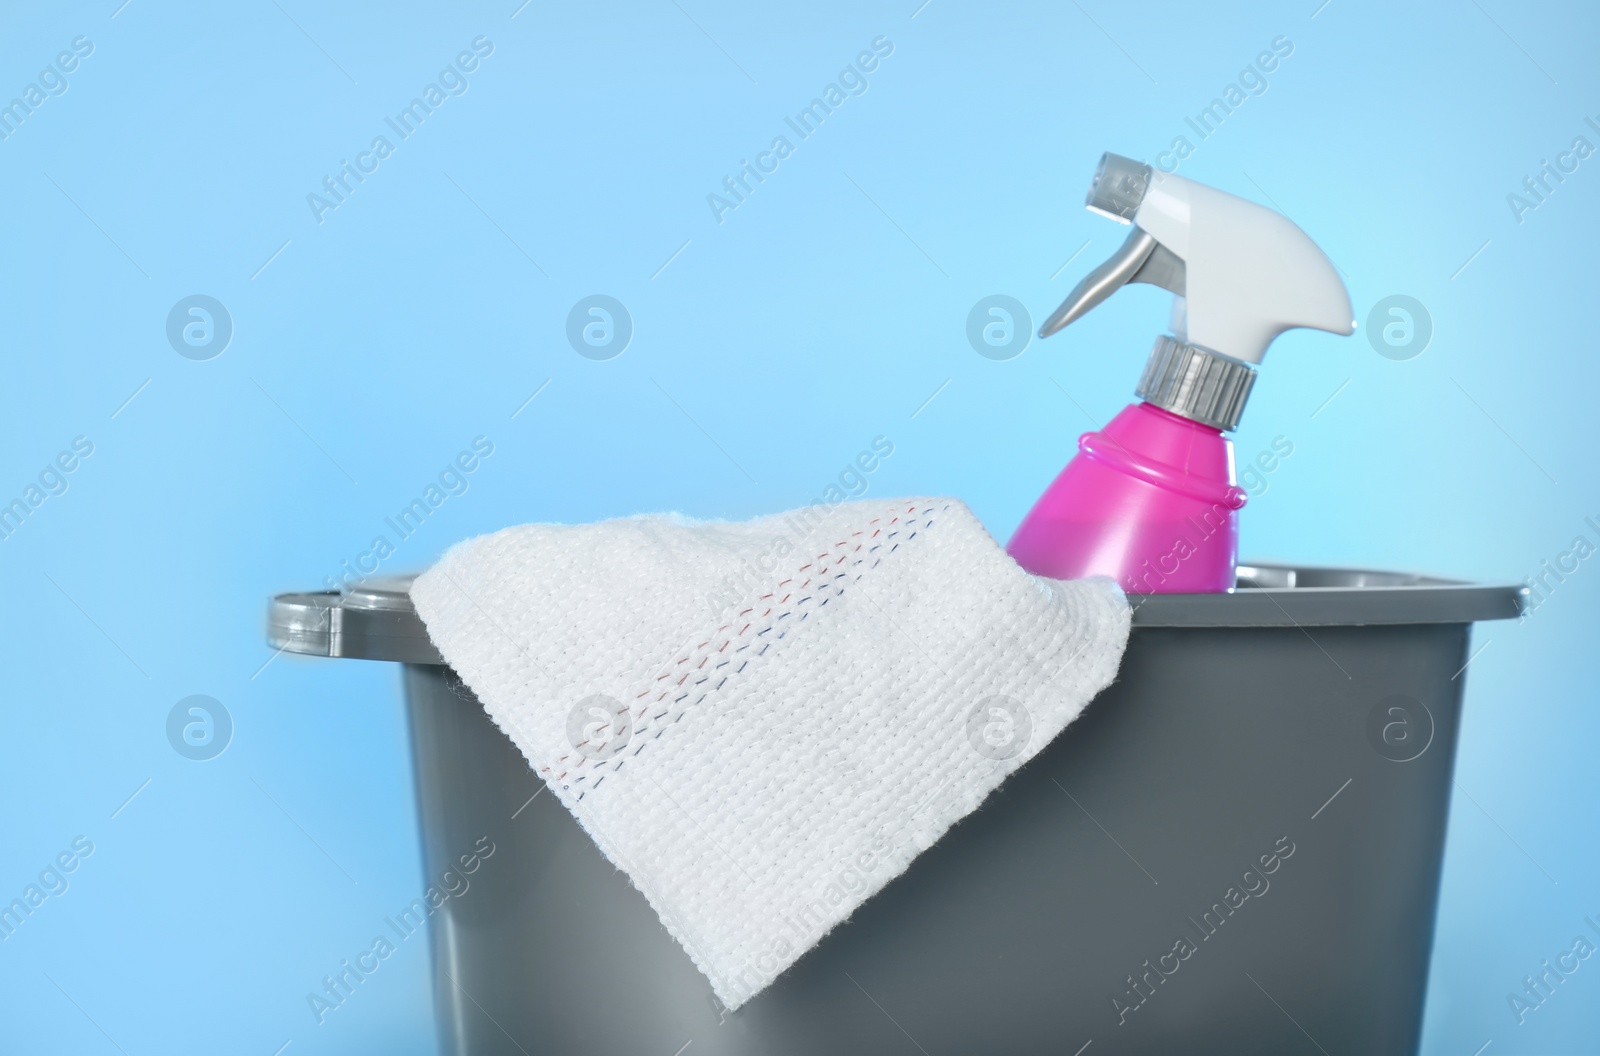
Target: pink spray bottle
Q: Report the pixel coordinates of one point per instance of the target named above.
(1151, 499)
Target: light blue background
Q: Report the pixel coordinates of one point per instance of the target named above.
(822, 312)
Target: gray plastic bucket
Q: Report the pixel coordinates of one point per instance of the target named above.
(1236, 849)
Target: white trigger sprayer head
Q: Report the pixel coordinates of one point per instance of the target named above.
(1243, 273)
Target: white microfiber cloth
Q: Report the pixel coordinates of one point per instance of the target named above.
(763, 723)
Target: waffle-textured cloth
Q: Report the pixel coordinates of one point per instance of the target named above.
(763, 723)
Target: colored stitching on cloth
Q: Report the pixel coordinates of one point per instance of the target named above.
(837, 589)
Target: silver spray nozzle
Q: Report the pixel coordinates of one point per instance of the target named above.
(1119, 186)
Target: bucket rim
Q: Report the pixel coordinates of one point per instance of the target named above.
(376, 620)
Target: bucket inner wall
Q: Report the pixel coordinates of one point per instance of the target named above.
(1112, 889)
